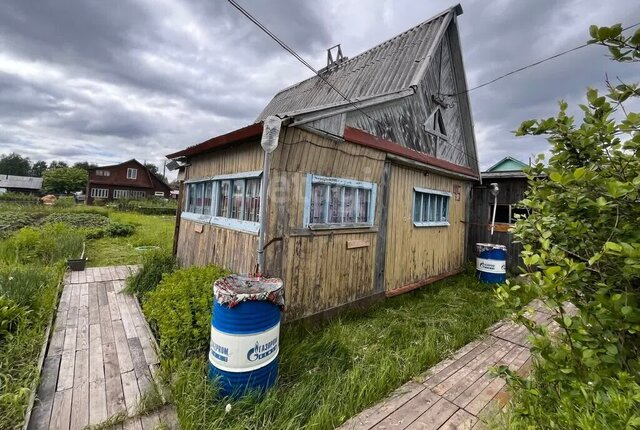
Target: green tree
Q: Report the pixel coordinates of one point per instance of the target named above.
(84, 165)
(56, 164)
(14, 164)
(582, 254)
(64, 180)
(154, 169)
(38, 168)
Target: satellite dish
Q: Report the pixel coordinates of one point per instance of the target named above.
(270, 133)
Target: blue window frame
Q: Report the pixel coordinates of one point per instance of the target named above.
(338, 203)
(430, 207)
(230, 201)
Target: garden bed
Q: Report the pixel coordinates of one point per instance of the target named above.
(328, 373)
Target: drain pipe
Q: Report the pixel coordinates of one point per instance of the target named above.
(494, 191)
(269, 142)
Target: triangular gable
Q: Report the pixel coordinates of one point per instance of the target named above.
(507, 164)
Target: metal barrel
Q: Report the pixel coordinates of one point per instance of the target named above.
(243, 355)
(491, 263)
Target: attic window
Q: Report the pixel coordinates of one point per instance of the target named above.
(435, 125)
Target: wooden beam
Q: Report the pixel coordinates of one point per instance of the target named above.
(421, 283)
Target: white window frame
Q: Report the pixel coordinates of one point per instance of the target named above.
(427, 191)
(132, 173)
(350, 183)
(100, 193)
(158, 194)
(226, 221)
(102, 172)
(137, 194)
(120, 194)
(512, 221)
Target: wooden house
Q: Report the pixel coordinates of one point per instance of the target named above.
(512, 184)
(366, 197)
(128, 180)
(20, 184)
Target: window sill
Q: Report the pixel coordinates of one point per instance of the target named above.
(228, 223)
(431, 224)
(321, 227)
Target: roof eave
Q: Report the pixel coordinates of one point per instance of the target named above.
(240, 135)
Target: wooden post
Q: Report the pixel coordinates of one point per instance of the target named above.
(176, 231)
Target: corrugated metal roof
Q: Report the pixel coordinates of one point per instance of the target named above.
(23, 182)
(387, 68)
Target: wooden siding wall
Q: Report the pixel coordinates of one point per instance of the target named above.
(200, 244)
(511, 192)
(319, 271)
(415, 254)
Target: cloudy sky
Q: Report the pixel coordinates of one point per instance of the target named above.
(107, 81)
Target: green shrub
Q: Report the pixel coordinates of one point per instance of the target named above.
(77, 219)
(10, 315)
(179, 310)
(20, 197)
(65, 202)
(155, 265)
(118, 229)
(11, 221)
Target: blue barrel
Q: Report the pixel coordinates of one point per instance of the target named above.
(243, 355)
(491, 263)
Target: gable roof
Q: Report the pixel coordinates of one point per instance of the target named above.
(390, 67)
(153, 180)
(507, 164)
(21, 182)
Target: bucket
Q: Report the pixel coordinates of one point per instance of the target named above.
(245, 334)
(491, 263)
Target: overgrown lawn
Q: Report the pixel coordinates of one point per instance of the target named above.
(330, 373)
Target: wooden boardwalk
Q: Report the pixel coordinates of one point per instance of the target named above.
(101, 355)
(459, 392)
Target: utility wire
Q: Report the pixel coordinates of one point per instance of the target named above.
(513, 72)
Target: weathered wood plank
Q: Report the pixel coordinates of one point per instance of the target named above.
(377, 413)
(80, 405)
(449, 370)
(41, 415)
(61, 413)
(94, 309)
(140, 366)
(407, 413)
(65, 375)
(122, 346)
(127, 321)
(70, 339)
(114, 310)
(461, 420)
(56, 345)
(113, 384)
(131, 391)
(97, 402)
(96, 363)
(435, 416)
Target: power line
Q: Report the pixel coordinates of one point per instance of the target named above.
(513, 72)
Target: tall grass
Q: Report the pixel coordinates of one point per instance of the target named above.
(330, 373)
(45, 245)
(35, 289)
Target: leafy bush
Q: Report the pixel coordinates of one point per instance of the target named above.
(10, 315)
(179, 310)
(117, 229)
(76, 219)
(582, 247)
(155, 265)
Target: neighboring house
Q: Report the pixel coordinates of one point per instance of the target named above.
(512, 184)
(362, 202)
(20, 184)
(131, 180)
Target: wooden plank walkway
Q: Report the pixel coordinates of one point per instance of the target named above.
(101, 356)
(459, 392)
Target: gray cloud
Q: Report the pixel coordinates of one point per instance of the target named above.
(103, 82)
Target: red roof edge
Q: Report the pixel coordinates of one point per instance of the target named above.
(236, 136)
(360, 137)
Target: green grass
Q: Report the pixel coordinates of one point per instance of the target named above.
(151, 230)
(330, 373)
